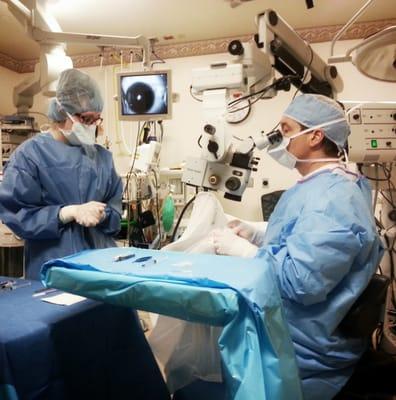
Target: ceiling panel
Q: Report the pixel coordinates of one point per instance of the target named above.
(185, 20)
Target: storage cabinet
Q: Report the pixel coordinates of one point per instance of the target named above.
(12, 134)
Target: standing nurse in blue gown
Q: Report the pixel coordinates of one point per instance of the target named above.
(60, 190)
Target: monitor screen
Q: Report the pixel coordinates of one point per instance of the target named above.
(144, 96)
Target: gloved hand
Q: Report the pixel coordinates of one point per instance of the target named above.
(246, 231)
(226, 242)
(87, 214)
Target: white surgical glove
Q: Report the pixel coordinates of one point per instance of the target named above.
(87, 214)
(246, 231)
(226, 242)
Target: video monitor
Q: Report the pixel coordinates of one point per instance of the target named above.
(144, 96)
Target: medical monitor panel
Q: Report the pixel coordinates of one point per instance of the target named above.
(144, 96)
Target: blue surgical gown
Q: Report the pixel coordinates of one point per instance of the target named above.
(44, 175)
(322, 243)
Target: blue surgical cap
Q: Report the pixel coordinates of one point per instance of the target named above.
(313, 109)
(76, 92)
(55, 112)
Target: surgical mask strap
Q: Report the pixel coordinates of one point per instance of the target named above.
(309, 130)
(69, 115)
(345, 156)
(334, 121)
(355, 107)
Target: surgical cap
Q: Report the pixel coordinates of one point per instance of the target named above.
(312, 109)
(55, 112)
(76, 92)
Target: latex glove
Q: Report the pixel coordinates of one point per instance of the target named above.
(226, 242)
(87, 214)
(246, 231)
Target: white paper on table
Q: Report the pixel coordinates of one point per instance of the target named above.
(64, 299)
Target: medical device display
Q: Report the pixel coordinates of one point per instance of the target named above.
(372, 145)
(144, 96)
(373, 132)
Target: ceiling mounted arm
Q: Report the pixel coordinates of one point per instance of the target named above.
(140, 41)
(19, 11)
(346, 27)
(43, 28)
(291, 55)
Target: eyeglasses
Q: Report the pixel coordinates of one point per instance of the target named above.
(89, 118)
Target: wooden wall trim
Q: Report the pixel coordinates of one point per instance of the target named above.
(203, 47)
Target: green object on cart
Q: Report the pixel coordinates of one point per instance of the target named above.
(168, 213)
(124, 223)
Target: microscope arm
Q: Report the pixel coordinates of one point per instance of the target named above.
(291, 55)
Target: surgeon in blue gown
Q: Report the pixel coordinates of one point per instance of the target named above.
(321, 241)
(60, 191)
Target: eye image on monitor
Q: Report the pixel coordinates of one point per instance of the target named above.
(144, 95)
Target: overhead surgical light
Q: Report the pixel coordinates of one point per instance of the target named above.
(309, 3)
(236, 3)
(375, 56)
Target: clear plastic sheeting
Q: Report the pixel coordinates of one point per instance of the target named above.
(187, 350)
(257, 355)
(207, 214)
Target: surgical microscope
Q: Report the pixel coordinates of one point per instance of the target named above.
(229, 87)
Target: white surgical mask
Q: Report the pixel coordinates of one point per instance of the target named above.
(79, 134)
(280, 153)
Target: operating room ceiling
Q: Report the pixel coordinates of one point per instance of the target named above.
(181, 20)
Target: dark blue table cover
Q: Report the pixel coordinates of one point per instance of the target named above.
(88, 350)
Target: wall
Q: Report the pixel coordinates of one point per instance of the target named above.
(182, 131)
(8, 79)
